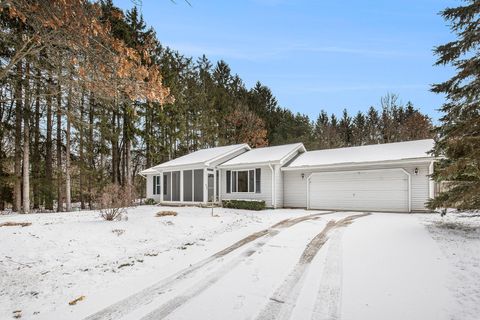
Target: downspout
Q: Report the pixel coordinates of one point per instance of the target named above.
(308, 190)
(409, 189)
(431, 182)
(274, 205)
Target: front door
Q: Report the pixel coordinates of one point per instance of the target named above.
(211, 187)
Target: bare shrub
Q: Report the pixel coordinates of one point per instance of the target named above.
(166, 213)
(113, 202)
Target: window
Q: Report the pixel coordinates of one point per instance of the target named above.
(242, 182)
(234, 181)
(156, 185)
(258, 178)
(251, 181)
(229, 181)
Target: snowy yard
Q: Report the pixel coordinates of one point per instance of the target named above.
(273, 264)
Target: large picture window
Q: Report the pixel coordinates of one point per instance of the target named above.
(243, 181)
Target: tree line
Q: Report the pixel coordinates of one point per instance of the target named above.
(89, 97)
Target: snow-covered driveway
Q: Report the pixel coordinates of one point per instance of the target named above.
(381, 266)
(234, 264)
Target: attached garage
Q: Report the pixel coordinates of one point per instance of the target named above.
(393, 177)
(364, 190)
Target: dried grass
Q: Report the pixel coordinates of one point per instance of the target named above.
(166, 214)
(15, 224)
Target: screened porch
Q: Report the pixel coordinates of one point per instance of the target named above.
(187, 186)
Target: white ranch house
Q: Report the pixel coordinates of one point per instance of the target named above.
(383, 177)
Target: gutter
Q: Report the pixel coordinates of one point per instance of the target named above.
(360, 164)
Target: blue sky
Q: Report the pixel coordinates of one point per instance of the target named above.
(315, 54)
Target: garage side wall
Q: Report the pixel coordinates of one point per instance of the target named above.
(295, 188)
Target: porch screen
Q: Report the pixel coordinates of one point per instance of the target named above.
(198, 185)
(167, 181)
(187, 185)
(176, 186)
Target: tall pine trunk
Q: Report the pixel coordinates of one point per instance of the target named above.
(128, 147)
(91, 159)
(68, 190)
(114, 142)
(59, 148)
(49, 148)
(36, 143)
(17, 191)
(26, 142)
(81, 159)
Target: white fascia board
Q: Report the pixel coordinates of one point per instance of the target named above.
(248, 165)
(361, 164)
(299, 149)
(245, 146)
(193, 166)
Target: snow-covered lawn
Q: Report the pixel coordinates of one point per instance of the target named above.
(61, 257)
(380, 266)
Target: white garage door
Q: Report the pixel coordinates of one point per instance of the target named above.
(369, 190)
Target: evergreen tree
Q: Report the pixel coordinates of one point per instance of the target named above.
(458, 139)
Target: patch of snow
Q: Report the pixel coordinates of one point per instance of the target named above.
(200, 157)
(369, 153)
(458, 235)
(393, 269)
(264, 155)
(63, 256)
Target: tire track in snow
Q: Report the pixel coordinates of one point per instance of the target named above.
(328, 301)
(283, 301)
(147, 295)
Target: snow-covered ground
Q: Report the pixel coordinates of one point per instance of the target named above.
(290, 264)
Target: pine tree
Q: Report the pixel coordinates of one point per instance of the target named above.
(459, 132)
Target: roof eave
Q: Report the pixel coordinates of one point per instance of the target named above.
(244, 146)
(247, 164)
(358, 164)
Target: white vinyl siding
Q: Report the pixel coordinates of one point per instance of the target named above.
(149, 183)
(295, 188)
(265, 186)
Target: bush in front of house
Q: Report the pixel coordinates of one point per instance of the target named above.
(244, 204)
(150, 202)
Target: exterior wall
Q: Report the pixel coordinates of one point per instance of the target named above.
(150, 194)
(295, 188)
(265, 186)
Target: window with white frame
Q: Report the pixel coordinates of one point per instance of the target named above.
(156, 185)
(243, 181)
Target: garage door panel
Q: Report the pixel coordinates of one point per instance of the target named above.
(382, 190)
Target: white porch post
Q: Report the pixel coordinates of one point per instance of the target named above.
(181, 185)
(205, 185)
(220, 185)
(214, 185)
